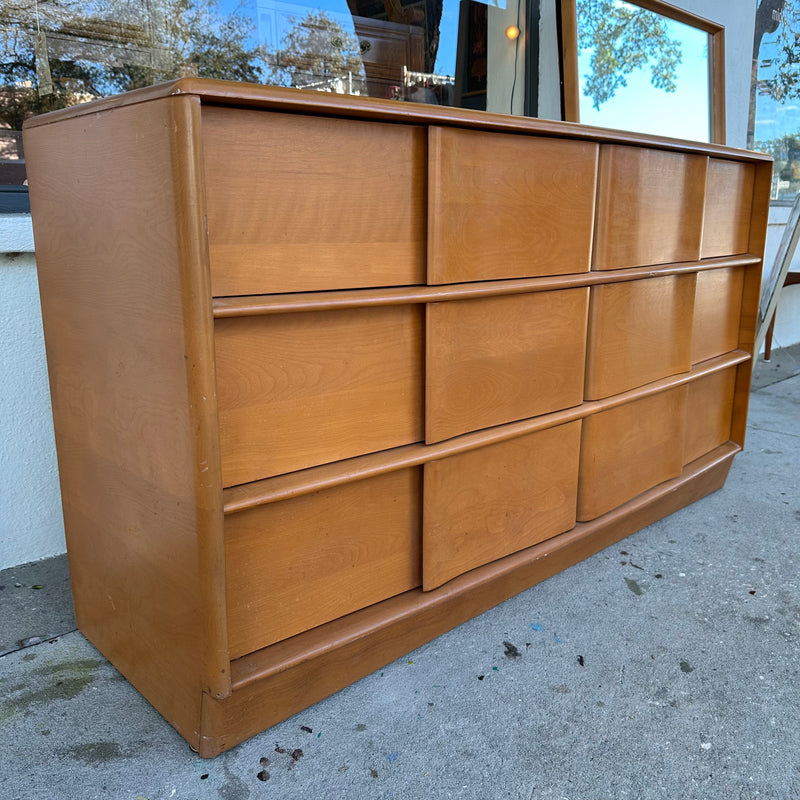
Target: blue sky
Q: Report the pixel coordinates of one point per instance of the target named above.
(639, 106)
(642, 107)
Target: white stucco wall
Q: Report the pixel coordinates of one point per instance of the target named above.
(31, 525)
(738, 18)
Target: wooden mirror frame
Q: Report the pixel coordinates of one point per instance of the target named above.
(716, 60)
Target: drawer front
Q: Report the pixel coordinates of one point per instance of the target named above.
(508, 206)
(709, 408)
(639, 331)
(649, 207)
(498, 359)
(729, 199)
(487, 503)
(717, 308)
(298, 390)
(298, 563)
(629, 449)
(299, 203)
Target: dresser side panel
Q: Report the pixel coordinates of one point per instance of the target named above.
(109, 244)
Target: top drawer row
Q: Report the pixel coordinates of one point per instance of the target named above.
(300, 203)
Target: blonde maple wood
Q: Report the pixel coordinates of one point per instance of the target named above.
(284, 487)
(299, 563)
(278, 681)
(630, 449)
(297, 390)
(751, 293)
(298, 203)
(495, 201)
(709, 408)
(729, 198)
(717, 310)
(137, 362)
(483, 505)
(497, 359)
(127, 327)
(638, 223)
(638, 333)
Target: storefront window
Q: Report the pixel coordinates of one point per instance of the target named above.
(464, 53)
(775, 94)
(647, 70)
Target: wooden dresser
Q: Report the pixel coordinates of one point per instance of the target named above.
(332, 375)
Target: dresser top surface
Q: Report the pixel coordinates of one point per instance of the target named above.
(277, 98)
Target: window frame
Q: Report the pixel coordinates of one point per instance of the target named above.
(571, 81)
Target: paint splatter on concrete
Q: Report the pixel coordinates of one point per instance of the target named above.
(634, 586)
(511, 650)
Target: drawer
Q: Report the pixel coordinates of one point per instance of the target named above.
(508, 206)
(300, 203)
(298, 563)
(298, 390)
(487, 503)
(709, 408)
(639, 331)
(729, 198)
(649, 207)
(717, 308)
(498, 359)
(629, 449)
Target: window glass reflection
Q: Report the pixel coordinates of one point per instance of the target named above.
(641, 71)
(774, 124)
(465, 53)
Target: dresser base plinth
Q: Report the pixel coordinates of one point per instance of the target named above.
(272, 684)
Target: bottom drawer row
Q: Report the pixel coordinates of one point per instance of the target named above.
(298, 563)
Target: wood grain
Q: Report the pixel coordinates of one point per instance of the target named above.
(485, 504)
(629, 449)
(496, 206)
(305, 397)
(277, 98)
(709, 408)
(717, 309)
(116, 275)
(638, 223)
(295, 484)
(302, 203)
(729, 198)
(298, 390)
(276, 682)
(299, 563)
(751, 293)
(638, 333)
(498, 359)
(393, 296)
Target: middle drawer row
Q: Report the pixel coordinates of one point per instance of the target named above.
(297, 390)
(301, 561)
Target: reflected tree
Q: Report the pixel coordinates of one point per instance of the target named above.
(624, 38)
(316, 52)
(102, 47)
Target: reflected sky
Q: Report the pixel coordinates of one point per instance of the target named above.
(640, 106)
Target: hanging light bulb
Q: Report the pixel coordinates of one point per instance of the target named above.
(512, 32)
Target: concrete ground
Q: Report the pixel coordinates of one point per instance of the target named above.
(667, 666)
